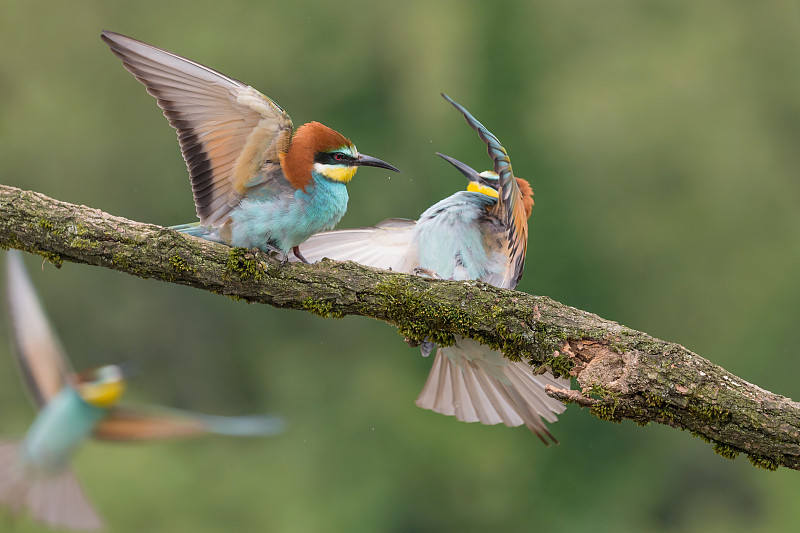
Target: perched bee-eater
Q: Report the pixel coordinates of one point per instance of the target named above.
(255, 184)
(35, 472)
(480, 233)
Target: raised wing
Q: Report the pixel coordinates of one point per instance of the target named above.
(510, 208)
(42, 362)
(385, 246)
(137, 424)
(227, 130)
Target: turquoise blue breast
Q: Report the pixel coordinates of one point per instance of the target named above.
(284, 221)
(59, 428)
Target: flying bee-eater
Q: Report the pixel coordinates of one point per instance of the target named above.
(480, 233)
(255, 183)
(72, 407)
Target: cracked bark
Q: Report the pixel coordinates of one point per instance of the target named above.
(622, 373)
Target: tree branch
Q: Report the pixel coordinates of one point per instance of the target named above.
(622, 373)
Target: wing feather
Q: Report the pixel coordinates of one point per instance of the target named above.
(42, 361)
(137, 424)
(386, 246)
(510, 208)
(227, 130)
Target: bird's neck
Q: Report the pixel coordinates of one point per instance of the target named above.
(326, 201)
(296, 167)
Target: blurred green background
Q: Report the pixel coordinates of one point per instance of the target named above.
(661, 139)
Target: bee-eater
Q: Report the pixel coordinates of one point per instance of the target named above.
(255, 184)
(35, 471)
(480, 233)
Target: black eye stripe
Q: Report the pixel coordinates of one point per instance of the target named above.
(333, 158)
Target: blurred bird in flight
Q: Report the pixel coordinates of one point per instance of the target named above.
(255, 184)
(480, 233)
(72, 407)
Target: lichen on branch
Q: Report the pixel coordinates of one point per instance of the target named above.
(621, 373)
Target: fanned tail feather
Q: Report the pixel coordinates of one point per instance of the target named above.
(477, 384)
(54, 500)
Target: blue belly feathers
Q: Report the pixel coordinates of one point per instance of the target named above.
(285, 222)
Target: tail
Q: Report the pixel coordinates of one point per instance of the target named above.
(196, 230)
(54, 500)
(477, 384)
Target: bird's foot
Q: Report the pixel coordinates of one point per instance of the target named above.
(275, 253)
(425, 273)
(297, 254)
(425, 346)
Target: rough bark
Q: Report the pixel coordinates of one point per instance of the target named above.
(622, 373)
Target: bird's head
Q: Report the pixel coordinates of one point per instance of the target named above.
(488, 182)
(102, 386)
(317, 148)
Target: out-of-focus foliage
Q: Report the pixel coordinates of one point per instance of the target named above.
(661, 139)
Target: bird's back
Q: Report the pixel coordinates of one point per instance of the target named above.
(459, 238)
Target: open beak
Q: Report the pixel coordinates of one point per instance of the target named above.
(470, 173)
(369, 161)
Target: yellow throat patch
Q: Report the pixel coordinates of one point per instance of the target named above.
(102, 394)
(338, 173)
(483, 189)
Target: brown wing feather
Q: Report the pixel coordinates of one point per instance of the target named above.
(227, 130)
(42, 361)
(125, 424)
(510, 207)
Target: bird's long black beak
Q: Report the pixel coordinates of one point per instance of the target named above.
(470, 173)
(369, 161)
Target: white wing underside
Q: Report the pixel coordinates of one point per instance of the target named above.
(476, 384)
(385, 246)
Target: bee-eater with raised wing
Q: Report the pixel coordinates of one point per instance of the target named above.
(255, 183)
(480, 233)
(35, 471)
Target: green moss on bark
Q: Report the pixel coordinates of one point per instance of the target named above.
(243, 264)
(321, 308)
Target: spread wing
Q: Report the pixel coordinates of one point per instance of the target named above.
(137, 424)
(227, 130)
(510, 208)
(42, 362)
(386, 246)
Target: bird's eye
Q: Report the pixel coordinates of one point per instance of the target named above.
(338, 156)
